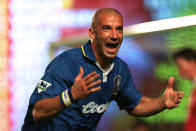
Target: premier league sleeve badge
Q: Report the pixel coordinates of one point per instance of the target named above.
(42, 85)
(117, 82)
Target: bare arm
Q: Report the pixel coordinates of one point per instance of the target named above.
(47, 108)
(150, 106)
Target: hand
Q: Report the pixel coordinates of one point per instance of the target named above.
(82, 87)
(172, 98)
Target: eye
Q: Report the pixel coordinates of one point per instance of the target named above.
(106, 27)
(120, 28)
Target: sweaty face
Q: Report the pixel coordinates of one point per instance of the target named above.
(186, 68)
(108, 35)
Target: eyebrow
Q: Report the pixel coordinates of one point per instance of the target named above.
(118, 27)
(106, 26)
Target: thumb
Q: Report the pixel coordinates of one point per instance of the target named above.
(170, 82)
(81, 73)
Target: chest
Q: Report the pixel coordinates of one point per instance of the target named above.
(99, 101)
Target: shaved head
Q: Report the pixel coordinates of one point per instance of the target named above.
(95, 19)
(106, 33)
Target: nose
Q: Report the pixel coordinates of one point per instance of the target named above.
(114, 36)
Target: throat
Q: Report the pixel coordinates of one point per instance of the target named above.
(105, 71)
(102, 60)
(105, 63)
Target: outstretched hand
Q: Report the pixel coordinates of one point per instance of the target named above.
(82, 87)
(172, 98)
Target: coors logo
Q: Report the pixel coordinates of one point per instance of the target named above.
(91, 107)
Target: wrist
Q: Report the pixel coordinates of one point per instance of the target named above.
(163, 102)
(71, 96)
(66, 98)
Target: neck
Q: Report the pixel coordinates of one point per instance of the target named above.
(103, 61)
(194, 75)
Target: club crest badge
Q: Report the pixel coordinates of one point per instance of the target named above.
(117, 82)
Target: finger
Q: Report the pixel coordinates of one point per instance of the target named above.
(170, 82)
(181, 93)
(94, 83)
(92, 78)
(180, 97)
(89, 75)
(81, 73)
(92, 90)
(179, 100)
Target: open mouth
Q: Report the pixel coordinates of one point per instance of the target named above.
(112, 48)
(111, 45)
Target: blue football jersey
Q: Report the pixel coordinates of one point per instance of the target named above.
(83, 114)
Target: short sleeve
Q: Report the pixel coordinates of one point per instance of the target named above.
(50, 85)
(128, 97)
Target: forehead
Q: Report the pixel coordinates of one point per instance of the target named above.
(112, 19)
(182, 61)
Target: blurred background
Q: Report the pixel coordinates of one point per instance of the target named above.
(33, 32)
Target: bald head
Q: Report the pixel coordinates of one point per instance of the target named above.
(95, 19)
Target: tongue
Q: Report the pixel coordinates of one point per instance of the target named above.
(111, 50)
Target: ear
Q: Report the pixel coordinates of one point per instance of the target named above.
(91, 33)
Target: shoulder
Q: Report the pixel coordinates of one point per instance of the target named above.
(69, 54)
(65, 61)
(120, 61)
(121, 65)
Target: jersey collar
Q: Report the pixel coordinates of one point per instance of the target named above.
(87, 51)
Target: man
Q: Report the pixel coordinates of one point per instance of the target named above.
(186, 64)
(70, 101)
